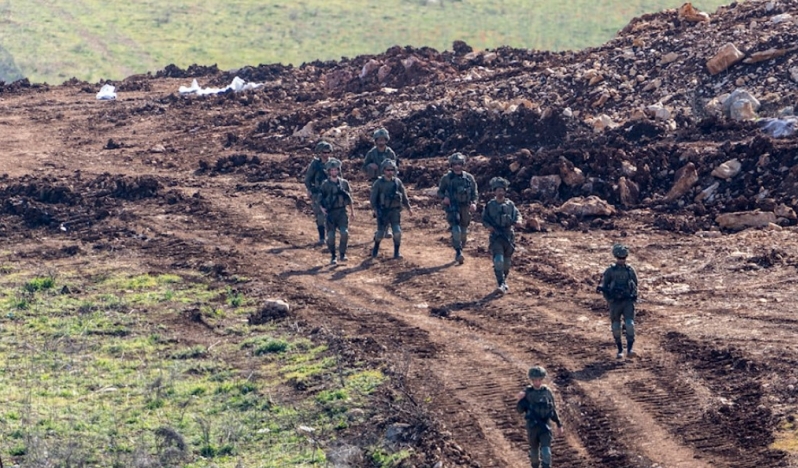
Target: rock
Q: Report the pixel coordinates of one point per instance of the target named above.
(628, 168)
(781, 18)
(652, 85)
(545, 187)
(601, 122)
(794, 74)
(590, 206)
(272, 309)
(773, 227)
(728, 169)
(369, 68)
(658, 111)
(344, 456)
(784, 211)
(514, 166)
(684, 179)
(669, 58)
(305, 132)
(741, 105)
(689, 13)
(727, 56)
(629, 192)
(383, 72)
(771, 53)
(567, 113)
(745, 219)
(534, 224)
(708, 194)
(158, 149)
(788, 111)
(714, 106)
(572, 176)
(397, 432)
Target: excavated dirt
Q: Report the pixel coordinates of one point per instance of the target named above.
(214, 184)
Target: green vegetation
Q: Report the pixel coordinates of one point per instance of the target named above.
(54, 40)
(113, 371)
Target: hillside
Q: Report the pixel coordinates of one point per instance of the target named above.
(55, 40)
(146, 238)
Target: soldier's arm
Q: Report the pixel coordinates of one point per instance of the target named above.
(517, 218)
(310, 174)
(443, 187)
(605, 282)
(375, 194)
(392, 155)
(474, 190)
(368, 159)
(346, 188)
(554, 416)
(403, 192)
(522, 404)
(633, 274)
(487, 220)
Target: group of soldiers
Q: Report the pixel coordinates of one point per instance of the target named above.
(331, 196)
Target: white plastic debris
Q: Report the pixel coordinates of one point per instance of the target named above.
(779, 128)
(236, 86)
(107, 93)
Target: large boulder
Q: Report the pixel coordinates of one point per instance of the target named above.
(728, 170)
(272, 309)
(684, 179)
(745, 219)
(741, 105)
(629, 191)
(590, 206)
(545, 187)
(571, 175)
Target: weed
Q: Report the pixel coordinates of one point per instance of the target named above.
(39, 284)
(194, 352)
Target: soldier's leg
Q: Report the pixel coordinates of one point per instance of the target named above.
(629, 323)
(534, 446)
(321, 220)
(497, 250)
(454, 227)
(396, 219)
(343, 227)
(615, 320)
(378, 235)
(465, 221)
(545, 449)
(331, 239)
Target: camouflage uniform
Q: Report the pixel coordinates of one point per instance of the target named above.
(539, 408)
(335, 197)
(461, 190)
(619, 288)
(377, 157)
(501, 217)
(315, 175)
(387, 199)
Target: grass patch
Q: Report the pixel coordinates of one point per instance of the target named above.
(102, 374)
(787, 437)
(53, 40)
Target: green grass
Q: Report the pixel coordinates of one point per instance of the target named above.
(101, 377)
(54, 40)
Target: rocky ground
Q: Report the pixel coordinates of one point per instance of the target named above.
(639, 141)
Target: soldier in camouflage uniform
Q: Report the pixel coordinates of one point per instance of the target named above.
(388, 196)
(499, 216)
(378, 154)
(536, 402)
(335, 197)
(314, 176)
(458, 189)
(619, 287)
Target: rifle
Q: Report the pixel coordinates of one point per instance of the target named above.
(501, 232)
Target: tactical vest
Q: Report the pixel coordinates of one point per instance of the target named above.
(540, 406)
(502, 214)
(337, 197)
(620, 284)
(459, 188)
(389, 196)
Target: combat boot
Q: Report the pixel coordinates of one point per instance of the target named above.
(629, 352)
(458, 257)
(321, 235)
(343, 257)
(620, 349)
(375, 250)
(333, 261)
(396, 253)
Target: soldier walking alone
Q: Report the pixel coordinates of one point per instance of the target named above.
(335, 197)
(388, 196)
(458, 189)
(537, 405)
(619, 287)
(315, 175)
(499, 216)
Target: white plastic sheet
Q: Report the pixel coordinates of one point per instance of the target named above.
(236, 86)
(107, 93)
(779, 128)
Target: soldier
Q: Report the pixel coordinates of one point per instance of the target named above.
(314, 176)
(536, 402)
(379, 153)
(458, 189)
(335, 197)
(619, 287)
(499, 216)
(388, 196)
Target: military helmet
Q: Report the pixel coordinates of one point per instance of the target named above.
(537, 372)
(382, 133)
(620, 251)
(333, 163)
(499, 182)
(457, 158)
(388, 164)
(324, 147)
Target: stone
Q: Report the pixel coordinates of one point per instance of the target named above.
(567, 113)
(784, 211)
(658, 111)
(743, 110)
(628, 169)
(344, 456)
(745, 219)
(629, 192)
(545, 187)
(272, 309)
(571, 175)
(601, 122)
(370, 67)
(158, 149)
(383, 72)
(740, 105)
(669, 58)
(726, 56)
(764, 55)
(708, 194)
(689, 13)
(773, 227)
(590, 206)
(781, 18)
(514, 166)
(794, 74)
(534, 224)
(652, 85)
(684, 179)
(728, 170)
